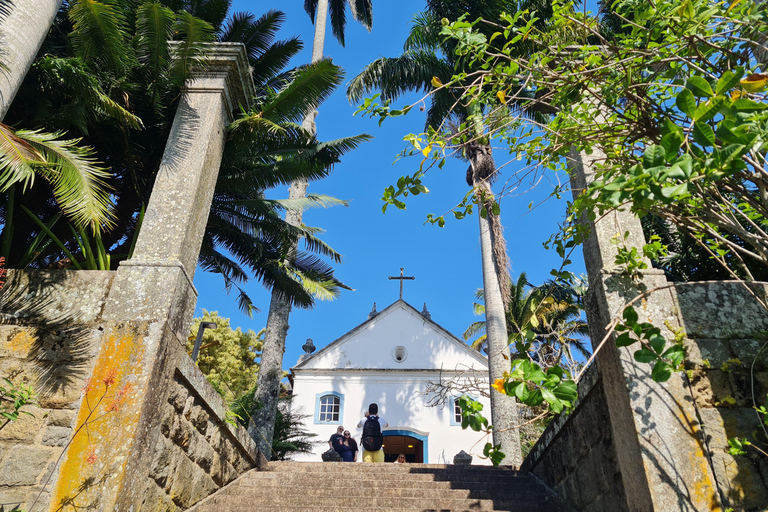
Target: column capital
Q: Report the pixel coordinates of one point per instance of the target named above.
(227, 60)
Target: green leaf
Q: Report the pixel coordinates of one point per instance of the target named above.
(671, 143)
(686, 102)
(624, 340)
(657, 343)
(661, 372)
(645, 356)
(747, 105)
(567, 391)
(653, 156)
(699, 87)
(675, 353)
(729, 80)
(707, 109)
(703, 134)
(630, 315)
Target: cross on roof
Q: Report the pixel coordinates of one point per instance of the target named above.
(401, 278)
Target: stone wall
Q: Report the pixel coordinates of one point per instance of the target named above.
(51, 332)
(726, 340)
(727, 351)
(575, 455)
(49, 336)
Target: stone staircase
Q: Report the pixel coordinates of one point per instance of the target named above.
(342, 487)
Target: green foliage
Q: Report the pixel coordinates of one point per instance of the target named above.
(227, 356)
(13, 397)
(653, 346)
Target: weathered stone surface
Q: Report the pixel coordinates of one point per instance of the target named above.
(26, 428)
(222, 471)
(157, 500)
(56, 436)
(743, 485)
(201, 452)
(54, 297)
(199, 418)
(60, 417)
(721, 310)
(181, 432)
(161, 462)
(24, 465)
(189, 483)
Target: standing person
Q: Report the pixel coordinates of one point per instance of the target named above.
(337, 440)
(373, 439)
(350, 454)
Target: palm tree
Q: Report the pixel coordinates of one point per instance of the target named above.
(19, 47)
(427, 59)
(552, 311)
(262, 427)
(90, 95)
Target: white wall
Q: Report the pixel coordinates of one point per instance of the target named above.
(401, 403)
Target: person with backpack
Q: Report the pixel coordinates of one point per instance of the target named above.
(373, 439)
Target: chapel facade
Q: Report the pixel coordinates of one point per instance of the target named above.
(395, 359)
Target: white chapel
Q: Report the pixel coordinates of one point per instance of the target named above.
(393, 358)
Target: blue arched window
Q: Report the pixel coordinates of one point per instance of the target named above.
(329, 407)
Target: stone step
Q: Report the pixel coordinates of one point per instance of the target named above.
(456, 479)
(323, 467)
(228, 502)
(393, 481)
(250, 507)
(324, 487)
(360, 490)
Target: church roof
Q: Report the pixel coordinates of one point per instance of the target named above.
(396, 338)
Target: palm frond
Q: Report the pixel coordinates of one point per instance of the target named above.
(309, 86)
(190, 50)
(395, 76)
(78, 182)
(362, 11)
(17, 159)
(99, 28)
(310, 7)
(424, 34)
(337, 11)
(154, 28)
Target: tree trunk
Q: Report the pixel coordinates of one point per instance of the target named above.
(262, 427)
(496, 286)
(21, 34)
(503, 408)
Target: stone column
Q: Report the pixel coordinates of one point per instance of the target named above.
(660, 452)
(152, 300)
(21, 34)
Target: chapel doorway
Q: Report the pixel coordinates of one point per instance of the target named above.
(395, 444)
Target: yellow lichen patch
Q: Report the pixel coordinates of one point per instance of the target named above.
(21, 343)
(702, 489)
(106, 423)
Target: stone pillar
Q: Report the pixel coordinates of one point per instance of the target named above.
(21, 34)
(152, 300)
(660, 451)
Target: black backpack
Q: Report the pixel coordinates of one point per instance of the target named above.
(372, 438)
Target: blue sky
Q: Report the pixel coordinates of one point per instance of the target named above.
(445, 261)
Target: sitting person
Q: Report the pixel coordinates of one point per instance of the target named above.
(400, 459)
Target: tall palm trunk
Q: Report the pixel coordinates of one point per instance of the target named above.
(503, 408)
(21, 34)
(493, 252)
(262, 428)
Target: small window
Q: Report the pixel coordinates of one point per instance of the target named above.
(329, 408)
(400, 354)
(456, 412)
